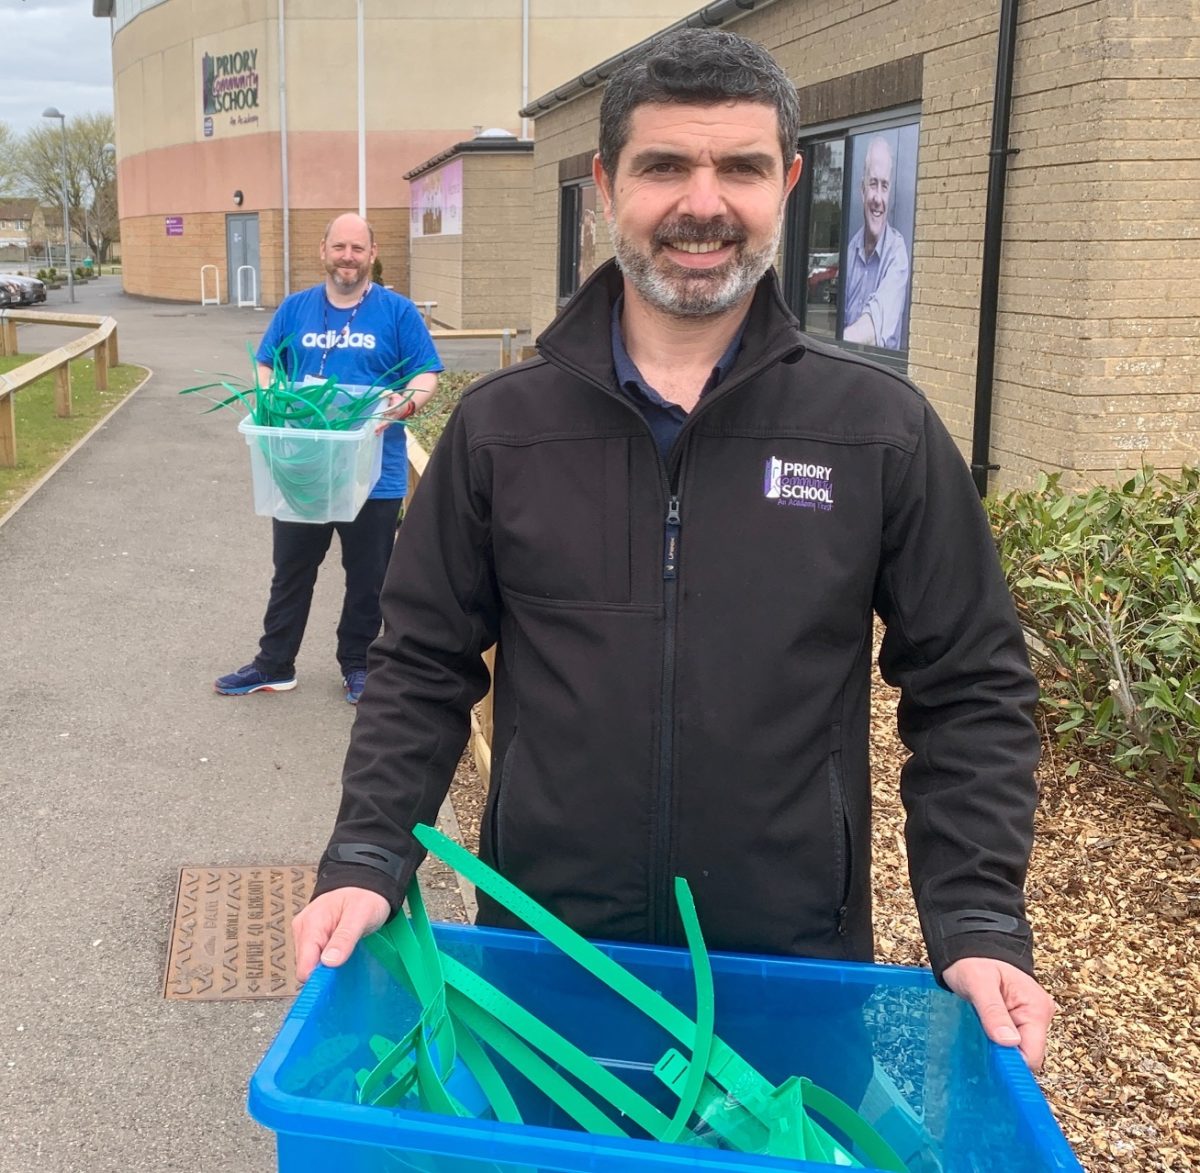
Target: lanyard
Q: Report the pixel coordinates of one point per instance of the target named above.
(344, 332)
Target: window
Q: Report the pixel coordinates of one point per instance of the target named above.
(850, 232)
(576, 236)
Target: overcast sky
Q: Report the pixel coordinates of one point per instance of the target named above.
(54, 53)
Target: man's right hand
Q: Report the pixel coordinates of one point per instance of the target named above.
(329, 928)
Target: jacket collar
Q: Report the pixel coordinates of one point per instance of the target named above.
(579, 338)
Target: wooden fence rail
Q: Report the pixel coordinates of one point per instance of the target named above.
(101, 339)
(481, 717)
(507, 336)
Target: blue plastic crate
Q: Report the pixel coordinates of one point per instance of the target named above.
(886, 1036)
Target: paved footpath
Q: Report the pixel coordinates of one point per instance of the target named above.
(135, 575)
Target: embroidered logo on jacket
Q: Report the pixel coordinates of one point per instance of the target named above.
(804, 486)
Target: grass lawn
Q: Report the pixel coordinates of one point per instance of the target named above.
(43, 438)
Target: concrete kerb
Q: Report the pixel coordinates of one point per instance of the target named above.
(97, 426)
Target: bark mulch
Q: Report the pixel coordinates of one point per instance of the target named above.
(1114, 897)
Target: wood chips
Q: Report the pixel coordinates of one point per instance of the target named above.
(1114, 897)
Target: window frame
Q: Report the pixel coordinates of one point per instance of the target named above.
(797, 216)
(570, 216)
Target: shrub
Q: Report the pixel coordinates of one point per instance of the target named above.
(1107, 585)
(377, 271)
(41, 274)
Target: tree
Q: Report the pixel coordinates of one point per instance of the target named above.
(8, 146)
(90, 174)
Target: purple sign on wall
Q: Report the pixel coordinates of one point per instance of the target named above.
(174, 225)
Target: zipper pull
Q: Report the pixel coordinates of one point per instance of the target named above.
(671, 553)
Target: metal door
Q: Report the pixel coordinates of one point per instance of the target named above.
(241, 251)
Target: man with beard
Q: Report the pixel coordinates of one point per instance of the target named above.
(675, 525)
(876, 260)
(350, 329)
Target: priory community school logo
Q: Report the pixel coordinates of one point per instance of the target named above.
(798, 484)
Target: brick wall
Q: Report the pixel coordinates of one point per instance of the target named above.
(168, 267)
(496, 229)
(1097, 356)
(437, 275)
(154, 264)
(481, 279)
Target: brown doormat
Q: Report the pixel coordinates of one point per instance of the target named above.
(232, 933)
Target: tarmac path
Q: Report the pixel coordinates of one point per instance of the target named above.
(130, 579)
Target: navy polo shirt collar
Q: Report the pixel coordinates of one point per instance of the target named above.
(666, 419)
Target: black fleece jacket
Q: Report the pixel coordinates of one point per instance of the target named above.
(683, 654)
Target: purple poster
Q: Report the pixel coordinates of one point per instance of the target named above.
(174, 225)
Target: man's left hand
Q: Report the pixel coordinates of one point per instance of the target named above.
(1014, 1009)
(400, 407)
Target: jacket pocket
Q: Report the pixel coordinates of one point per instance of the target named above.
(840, 831)
(498, 803)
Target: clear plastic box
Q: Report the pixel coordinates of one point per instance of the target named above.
(946, 1099)
(314, 476)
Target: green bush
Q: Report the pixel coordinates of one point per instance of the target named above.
(1107, 585)
(41, 274)
(427, 425)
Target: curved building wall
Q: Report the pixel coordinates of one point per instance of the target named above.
(198, 117)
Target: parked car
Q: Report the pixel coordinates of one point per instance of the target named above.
(10, 295)
(31, 289)
(823, 278)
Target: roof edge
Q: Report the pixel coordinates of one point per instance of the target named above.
(472, 146)
(710, 16)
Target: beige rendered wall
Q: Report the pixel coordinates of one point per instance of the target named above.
(1097, 356)
(433, 73)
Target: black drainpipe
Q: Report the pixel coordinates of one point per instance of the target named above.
(993, 231)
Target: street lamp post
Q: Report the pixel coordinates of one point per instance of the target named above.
(53, 112)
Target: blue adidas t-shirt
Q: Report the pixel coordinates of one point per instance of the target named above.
(381, 341)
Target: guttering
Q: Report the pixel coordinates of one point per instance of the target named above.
(285, 210)
(362, 112)
(524, 64)
(709, 16)
(993, 235)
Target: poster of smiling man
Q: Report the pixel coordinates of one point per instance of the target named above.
(880, 215)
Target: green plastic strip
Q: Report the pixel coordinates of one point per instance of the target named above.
(460, 1010)
(726, 1068)
(568, 1056)
(531, 1065)
(706, 1011)
(836, 1112)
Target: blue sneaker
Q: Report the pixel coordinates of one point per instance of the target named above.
(249, 679)
(353, 682)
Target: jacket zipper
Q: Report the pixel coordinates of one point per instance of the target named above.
(661, 906)
(660, 911)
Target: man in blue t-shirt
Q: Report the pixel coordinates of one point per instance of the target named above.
(361, 334)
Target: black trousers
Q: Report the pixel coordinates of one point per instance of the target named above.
(298, 549)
